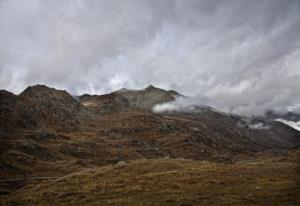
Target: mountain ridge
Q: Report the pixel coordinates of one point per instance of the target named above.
(45, 131)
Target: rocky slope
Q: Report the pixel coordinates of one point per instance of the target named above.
(38, 107)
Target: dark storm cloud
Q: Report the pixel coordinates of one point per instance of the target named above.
(239, 56)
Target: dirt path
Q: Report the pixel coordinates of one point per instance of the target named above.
(26, 178)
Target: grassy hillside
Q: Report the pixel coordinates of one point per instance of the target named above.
(266, 181)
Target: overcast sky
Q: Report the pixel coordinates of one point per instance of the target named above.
(237, 55)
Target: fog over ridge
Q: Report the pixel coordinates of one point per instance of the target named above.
(237, 56)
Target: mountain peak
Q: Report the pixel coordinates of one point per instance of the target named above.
(37, 89)
(148, 97)
(40, 106)
(123, 90)
(41, 91)
(150, 87)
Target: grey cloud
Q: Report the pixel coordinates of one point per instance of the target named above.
(238, 56)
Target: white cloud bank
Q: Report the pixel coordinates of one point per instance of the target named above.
(294, 124)
(186, 104)
(259, 126)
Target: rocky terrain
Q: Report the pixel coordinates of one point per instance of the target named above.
(38, 107)
(65, 149)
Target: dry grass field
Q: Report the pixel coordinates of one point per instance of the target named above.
(265, 181)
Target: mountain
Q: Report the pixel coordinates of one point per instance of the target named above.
(47, 132)
(105, 103)
(126, 100)
(289, 116)
(148, 97)
(291, 119)
(38, 107)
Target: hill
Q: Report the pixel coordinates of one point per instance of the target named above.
(38, 107)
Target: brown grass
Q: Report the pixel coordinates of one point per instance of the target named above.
(271, 181)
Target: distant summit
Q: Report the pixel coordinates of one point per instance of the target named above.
(122, 90)
(151, 87)
(148, 97)
(128, 99)
(290, 116)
